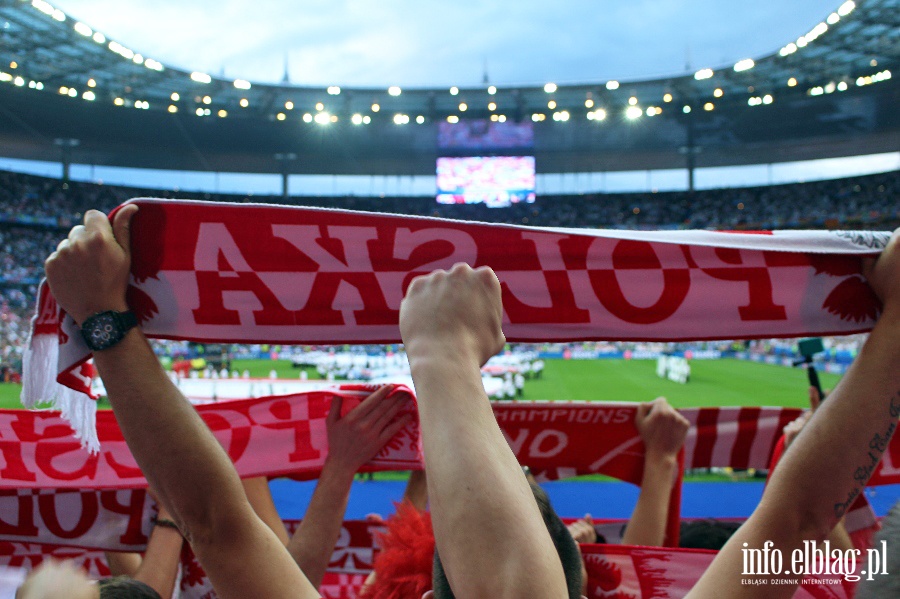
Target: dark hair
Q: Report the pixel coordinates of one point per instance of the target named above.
(708, 533)
(123, 587)
(562, 540)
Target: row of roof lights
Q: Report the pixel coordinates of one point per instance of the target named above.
(843, 10)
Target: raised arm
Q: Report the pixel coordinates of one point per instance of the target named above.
(481, 504)
(181, 459)
(159, 566)
(827, 466)
(663, 431)
(352, 442)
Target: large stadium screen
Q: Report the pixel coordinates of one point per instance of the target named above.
(481, 134)
(496, 181)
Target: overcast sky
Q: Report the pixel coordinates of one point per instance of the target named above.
(425, 43)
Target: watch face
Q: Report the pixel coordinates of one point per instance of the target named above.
(103, 329)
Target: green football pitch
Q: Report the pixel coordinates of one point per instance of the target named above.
(713, 382)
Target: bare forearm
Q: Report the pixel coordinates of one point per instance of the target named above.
(159, 568)
(647, 525)
(313, 543)
(168, 439)
(828, 465)
(477, 491)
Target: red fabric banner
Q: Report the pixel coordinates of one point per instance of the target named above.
(267, 436)
(274, 274)
(625, 572)
(272, 436)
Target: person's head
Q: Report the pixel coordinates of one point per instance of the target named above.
(123, 587)
(562, 540)
(706, 534)
(885, 585)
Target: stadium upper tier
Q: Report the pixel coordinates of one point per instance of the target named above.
(67, 89)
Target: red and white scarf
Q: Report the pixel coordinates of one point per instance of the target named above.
(247, 273)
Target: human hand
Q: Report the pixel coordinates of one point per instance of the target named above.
(883, 274)
(453, 313)
(662, 429)
(358, 437)
(583, 530)
(57, 580)
(88, 273)
(793, 428)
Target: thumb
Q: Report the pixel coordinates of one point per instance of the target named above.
(122, 227)
(642, 410)
(814, 399)
(334, 412)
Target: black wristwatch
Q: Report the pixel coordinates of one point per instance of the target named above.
(104, 330)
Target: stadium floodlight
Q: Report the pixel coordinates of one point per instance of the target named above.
(394, 90)
(632, 101)
(356, 119)
(207, 100)
(39, 85)
(89, 96)
(718, 93)
(612, 85)
(842, 86)
(290, 106)
(201, 77)
(322, 118)
(846, 8)
(452, 119)
(175, 96)
(788, 50)
(599, 115)
(492, 106)
(463, 107)
(91, 82)
(768, 99)
(562, 115)
(401, 119)
(138, 59)
(492, 90)
(242, 84)
(633, 112)
(651, 111)
(502, 118)
(550, 88)
(307, 118)
(199, 112)
(703, 74)
(72, 92)
(99, 37)
(222, 113)
(792, 82)
(589, 103)
(376, 107)
(686, 109)
(19, 81)
(833, 18)
(154, 65)
(454, 90)
(551, 104)
(172, 108)
(709, 107)
(244, 102)
(119, 102)
(744, 65)
(334, 90)
(122, 50)
(83, 29)
(280, 116)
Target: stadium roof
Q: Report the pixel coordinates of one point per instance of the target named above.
(60, 79)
